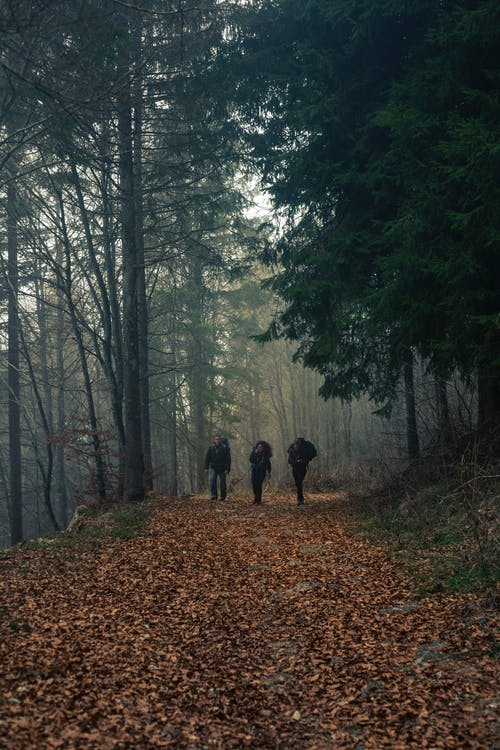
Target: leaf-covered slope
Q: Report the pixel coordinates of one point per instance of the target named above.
(225, 626)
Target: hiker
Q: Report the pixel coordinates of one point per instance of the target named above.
(300, 452)
(218, 464)
(260, 465)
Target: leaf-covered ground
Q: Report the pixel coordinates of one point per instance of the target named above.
(232, 626)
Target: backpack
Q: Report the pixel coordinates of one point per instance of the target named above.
(308, 450)
(225, 442)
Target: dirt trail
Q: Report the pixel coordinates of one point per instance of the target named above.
(231, 626)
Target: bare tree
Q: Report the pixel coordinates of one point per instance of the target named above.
(15, 458)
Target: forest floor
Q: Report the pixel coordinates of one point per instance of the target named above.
(226, 625)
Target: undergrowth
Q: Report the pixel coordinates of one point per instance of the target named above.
(96, 527)
(439, 519)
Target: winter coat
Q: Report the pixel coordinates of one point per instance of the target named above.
(295, 458)
(260, 464)
(218, 458)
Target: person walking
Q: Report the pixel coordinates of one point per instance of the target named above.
(260, 465)
(300, 452)
(218, 464)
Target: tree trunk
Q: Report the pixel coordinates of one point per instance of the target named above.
(46, 472)
(412, 442)
(445, 430)
(4, 506)
(278, 396)
(15, 458)
(114, 304)
(60, 468)
(103, 305)
(346, 409)
(253, 399)
(488, 401)
(142, 301)
(134, 462)
(173, 482)
(43, 345)
(60, 465)
(198, 372)
(198, 388)
(68, 290)
(294, 391)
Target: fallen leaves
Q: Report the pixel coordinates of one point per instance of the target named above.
(222, 628)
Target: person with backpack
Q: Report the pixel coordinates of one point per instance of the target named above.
(300, 452)
(218, 464)
(260, 465)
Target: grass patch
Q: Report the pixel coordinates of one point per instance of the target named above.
(447, 569)
(93, 530)
(447, 541)
(123, 523)
(74, 552)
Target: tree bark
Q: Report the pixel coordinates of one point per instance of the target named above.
(142, 301)
(488, 400)
(114, 304)
(104, 308)
(60, 468)
(346, 410)
(445, 430)
(198, 372)
(413, 447)
(68, 290)
(46, 472)
(133, 489)
(173, 477)
(15, 457)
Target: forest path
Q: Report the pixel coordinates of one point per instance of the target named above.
(226, 625)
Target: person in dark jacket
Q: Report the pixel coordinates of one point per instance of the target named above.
(260, 465)
(218, 464)
(298, 458)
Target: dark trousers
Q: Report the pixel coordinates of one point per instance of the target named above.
(221, 474)
(257, 490)
(299, 473)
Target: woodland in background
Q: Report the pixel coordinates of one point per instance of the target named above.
(132, 251)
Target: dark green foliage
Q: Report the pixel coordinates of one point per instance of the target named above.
(377, 129)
